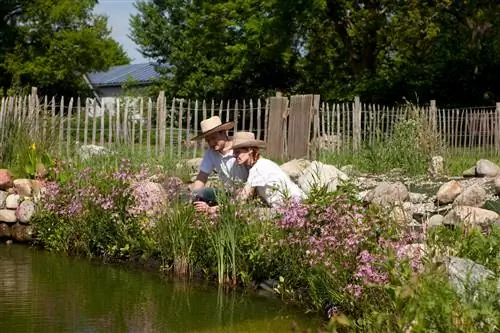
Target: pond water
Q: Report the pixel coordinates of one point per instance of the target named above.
(45, 292)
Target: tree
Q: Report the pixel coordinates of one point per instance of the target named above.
(217, 48)
(57, 41)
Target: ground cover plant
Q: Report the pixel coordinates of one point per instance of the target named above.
(330, 253)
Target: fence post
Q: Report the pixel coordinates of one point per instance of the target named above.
(433, 115)
(356, 123)
(497, 128)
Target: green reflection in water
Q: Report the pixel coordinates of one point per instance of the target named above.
(44, 292)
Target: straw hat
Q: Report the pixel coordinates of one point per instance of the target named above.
(212, 125)
(246, 139)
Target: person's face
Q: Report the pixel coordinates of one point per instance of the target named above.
(216, 141)
(242, 155)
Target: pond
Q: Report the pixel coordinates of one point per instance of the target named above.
(46, 292)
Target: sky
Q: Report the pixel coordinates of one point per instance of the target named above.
(118, 12)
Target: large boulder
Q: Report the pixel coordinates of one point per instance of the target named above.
(23, 187)
(386, 194)
(319, 174)
(87, 151)
(296, 167)
(470, 216)
(448, 192)
(150, 198)
(486, 168)
(474, 196)
(6, 179)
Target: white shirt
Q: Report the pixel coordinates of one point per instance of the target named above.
(229, 172)
(272, 183)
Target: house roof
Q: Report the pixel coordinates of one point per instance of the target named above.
(118, 75)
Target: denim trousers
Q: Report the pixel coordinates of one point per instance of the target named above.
(209, 195)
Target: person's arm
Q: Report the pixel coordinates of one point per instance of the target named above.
(245, 193)
(200, 181)
(206, 167)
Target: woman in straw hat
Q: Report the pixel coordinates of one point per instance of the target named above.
(218, 158)
(265, 177)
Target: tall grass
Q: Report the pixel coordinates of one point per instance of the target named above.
(409, 147)
(176, 235)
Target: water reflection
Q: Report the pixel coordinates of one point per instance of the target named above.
(43, 292)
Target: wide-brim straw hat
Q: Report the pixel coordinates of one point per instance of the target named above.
(245, 140)
(212, 125)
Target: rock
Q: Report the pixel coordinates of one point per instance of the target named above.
(470, 216)
(387, 193)
(448, 192)
(87, 151)
(465, 275)
(3, 196)
(8, 215)
(22, 233)
(12, 201)
(4, 231)
(436, 166)
(417, 197)
(25, 211)
(496, 185)
(319, 174)
(400, 215)
(6, 179)
(435, 221)
(296, 167)
(486, 168)
(474, 196)
(23, 187)
(471, 172)
(150, 198)
(421, 211)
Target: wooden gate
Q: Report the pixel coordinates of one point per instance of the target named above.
(292, 124)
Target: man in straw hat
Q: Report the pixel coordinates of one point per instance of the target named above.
(219, 158)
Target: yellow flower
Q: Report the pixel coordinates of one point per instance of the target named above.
(33, 146)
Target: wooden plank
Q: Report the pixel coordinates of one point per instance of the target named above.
(275, 140)
(356, 123)
(68, 130)
(125, 134)
(133, 119)
(259, 120)
(101, 134)
(299, 123)
(141, 123)
(78, 114)
(110, 128)
(267, 108)
(196, 126)
(188, 125)
(250, 125)
(149, 125)
(94, 121)
(179, 128)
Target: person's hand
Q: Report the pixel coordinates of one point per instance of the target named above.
(201, 206)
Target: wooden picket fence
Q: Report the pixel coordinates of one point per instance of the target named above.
(293, 127)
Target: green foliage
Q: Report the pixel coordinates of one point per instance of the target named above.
(175, 235)
(52, 43)
(381, 50)
(473, 244)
